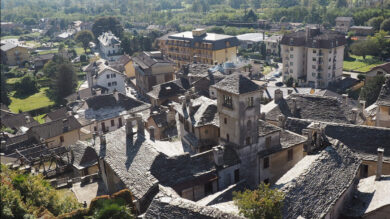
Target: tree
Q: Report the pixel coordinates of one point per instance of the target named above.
(260, 203)
(64, 84)
(4, 90)
(28, 85)
(364, 48)
(375, 22)
(371, 89)
(386, 25)
(126, 45)
(84, 37)
(216, 30)
(341, 3)
(110, 208)
(105, 24)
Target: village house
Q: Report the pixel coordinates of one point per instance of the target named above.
(84, 159)
(85, 93)
(383, 105)
(200, 47)
(343, 24)
(124, 64)
(162, 121)
(150, 69)
(106, 112)
(18, 123)
(60, 113)
(165, 93)
(378, 70)
(99, 74)
(110, 46)
(313, 57)
(272, 45)
(362, 30)
(14, 54)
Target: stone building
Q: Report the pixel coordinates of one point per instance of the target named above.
(150, 69)
(165, 93)
(313, 57)
(162, 122)
(343, 24)
(383, 105)
(200, 47)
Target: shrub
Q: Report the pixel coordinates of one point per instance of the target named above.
(83, 58)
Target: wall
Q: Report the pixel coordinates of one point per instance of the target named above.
(13, 59)
(226, 177)
(372, 166)
(103, 81)
(107, 123)
(223, 55)
(382, 212)
(129, 69)
(383, 116)
(69, 138)
(157, 131)
(375, 72)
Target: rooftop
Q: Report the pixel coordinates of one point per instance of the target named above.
(56, 127)
(166, 90)
(237, 84)
(384, 95)
(253, 37)
(206, 37)
(316, 39)
(147, 59)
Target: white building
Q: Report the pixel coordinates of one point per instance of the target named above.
(110, 46)
(101, 75)
(313, 57)
(272, 45)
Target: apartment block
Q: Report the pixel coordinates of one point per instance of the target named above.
(313, 57)
(199, 46)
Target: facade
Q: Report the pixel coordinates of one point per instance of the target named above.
(249, 39)
(150, 69)
(362, 30)
(124, 64)
(200, 47)
(313, 57)
(110, 46)
(343, 24)
(99, 74)
(12, 54)
(272, 45)
(383, 102)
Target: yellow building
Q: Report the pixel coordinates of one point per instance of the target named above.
(12, 54)
(199, 46)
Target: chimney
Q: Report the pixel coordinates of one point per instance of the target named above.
(140, 124)
(308, 134)
(218, 152)
(28, 119)
(355, 113)
(182, 100)
(362, 104)
(281, 121)
(103, 141)
(151, 132)
(116, 95)
(129, 128)
(78, 96)
(98, 91)
(191, 107)
(294, 106)
(3, 147)
(262, 116)
(345, 98)
(379, 164)
(278, 95)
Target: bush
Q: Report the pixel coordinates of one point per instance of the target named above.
(28, 85)
(83, 58)
(361, 77)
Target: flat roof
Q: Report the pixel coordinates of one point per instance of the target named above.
(254, 37)
(207, 37)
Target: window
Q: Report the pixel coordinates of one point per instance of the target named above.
(227, 137)
(112, 122)
(314, 67)
(250, 102)
(113, 75)
(248, 140)
(291, 48)
(227, 101)
(108, 76)
(314, 51)
(314, 59)
(290, 155)
(313, 74)
(291, 71)
(95, 128)
(265, 162)
(364, 171)
(114, 83)
(236, 175)
(120, 121)
(62, 139)
(379, 73)
(249, 125)
(291, 56)
(291, 63)
(109, 84)
(268, 141)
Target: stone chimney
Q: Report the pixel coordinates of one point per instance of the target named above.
(281, 121)
(278, 95)
(294, 106)
(3, 145)
(191, 107)
(183, 102)
(98, 91)
(103, 141)
(171, 113)
(115, 93)
(262, 116)
(218, 152)
(379, 164)
(151, 132)
(308, 134)
(129, 128)
(362, 104)
(140, 124)
(345, 98)
(355, 113)
(28, 119)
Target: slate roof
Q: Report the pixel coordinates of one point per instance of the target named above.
(146, 60)
(167, 207)
(237, 84)
(83, 155)
(321, 108)
(56, 128)
(18, 142)
(287, 140)
(60, 113)
(108, 100)
(384, 66)
(315, 192)
(8, 46)
(384, 95)
(266, 128)
(84, 93)
(160, 119)
(15, 121)
(344, 18)
(166, 90)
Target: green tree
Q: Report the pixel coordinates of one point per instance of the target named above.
(84, 37)
(4, 90)
(28, 85)
(364, 48)
(386, 25)
(126, 45)
(105, 24)
(375, 22)
(64, 83)
(111, 209)
(216, 30)
(262, 203)
(50, 68)
(371, 89)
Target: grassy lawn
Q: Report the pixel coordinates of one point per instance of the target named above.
(13, 80)
(40, 119)
(48, 51)
(357, 63)
(79, 51)
(34, 101)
